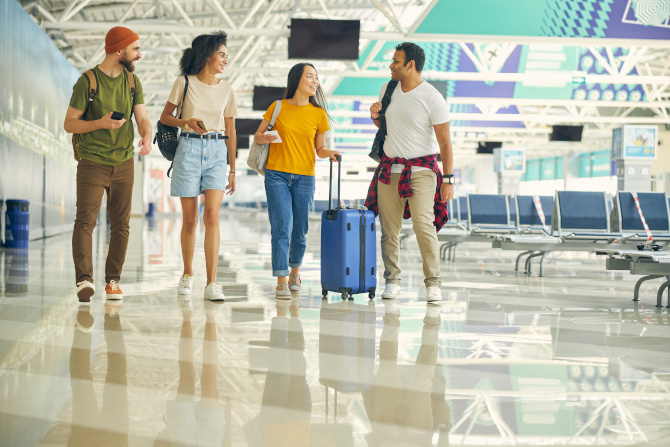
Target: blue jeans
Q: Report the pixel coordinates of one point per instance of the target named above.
(290, 199)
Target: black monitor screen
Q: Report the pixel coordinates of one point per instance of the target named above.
(324, 39)
(566, 133)
(242, 141)
(486, 147)
(245, 126)
(265, 96)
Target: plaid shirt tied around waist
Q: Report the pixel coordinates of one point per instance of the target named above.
(383, 174)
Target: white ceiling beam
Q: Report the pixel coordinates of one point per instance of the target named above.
(42, 10)
(75, 10)
(550, 77)
(70, 6)
(505, 52)
(254, 9)
(605, 64)
(390, 18)
(475, 60)
(224, 15)
(633, 56)
(373, 54)
(323, 6)
(429, 7)
(548, 119)
(157, 25)
(181, 11)
(396, 16)
(508, 102)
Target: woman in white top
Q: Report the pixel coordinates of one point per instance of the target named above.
(208, 120)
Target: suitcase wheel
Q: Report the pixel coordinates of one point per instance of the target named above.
(346, 293)
(371, 295)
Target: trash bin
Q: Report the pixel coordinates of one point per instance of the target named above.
(17, 223)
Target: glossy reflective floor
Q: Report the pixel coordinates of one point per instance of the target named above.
(505, 359)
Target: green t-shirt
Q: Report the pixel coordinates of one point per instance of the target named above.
(107, 146)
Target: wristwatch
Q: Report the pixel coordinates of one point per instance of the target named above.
(448, 178)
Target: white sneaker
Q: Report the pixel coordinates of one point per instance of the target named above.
(391, 291)
(85, 290)
(433, 293)
(213, 292)
(185, 285)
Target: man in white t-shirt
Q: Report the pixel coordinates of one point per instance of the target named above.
(417, 123)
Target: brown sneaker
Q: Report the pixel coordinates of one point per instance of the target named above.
(113, 291)
(85, 290)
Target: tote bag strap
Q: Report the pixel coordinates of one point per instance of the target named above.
(275, 114)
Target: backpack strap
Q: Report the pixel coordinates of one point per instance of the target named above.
(386, 100)
(131, 84)
(92, 88)
(183, 98)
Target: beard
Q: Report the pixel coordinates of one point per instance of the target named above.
(128, 64)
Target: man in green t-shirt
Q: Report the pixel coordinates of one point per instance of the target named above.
(106, 163)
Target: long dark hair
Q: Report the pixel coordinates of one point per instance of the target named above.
(202, 48)
(294, 76)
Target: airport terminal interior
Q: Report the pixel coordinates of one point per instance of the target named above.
(554, 322)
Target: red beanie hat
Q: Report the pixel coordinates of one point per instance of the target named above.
(118, 38)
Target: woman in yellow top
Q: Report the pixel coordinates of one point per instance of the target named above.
(289, 178)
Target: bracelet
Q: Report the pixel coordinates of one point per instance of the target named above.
(375, 119)
(231, 172)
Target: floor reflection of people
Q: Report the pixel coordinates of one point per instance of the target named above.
(406, 405)
(91, 425)
(201, 423)
(286, 408)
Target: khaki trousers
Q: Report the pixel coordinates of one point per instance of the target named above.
(93, 179)
(421, 204)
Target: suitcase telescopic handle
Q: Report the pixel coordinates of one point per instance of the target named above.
(330, 183)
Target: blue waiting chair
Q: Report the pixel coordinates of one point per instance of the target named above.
(528, 216)
(579, 222)
(655, 209)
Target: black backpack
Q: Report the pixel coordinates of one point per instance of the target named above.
(378, 145)
(167, 137)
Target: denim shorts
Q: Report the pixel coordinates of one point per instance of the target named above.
(198, 165)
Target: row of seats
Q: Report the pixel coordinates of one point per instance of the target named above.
(573, 221)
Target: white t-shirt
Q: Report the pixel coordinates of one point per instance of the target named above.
(210, 103)
(410, 118)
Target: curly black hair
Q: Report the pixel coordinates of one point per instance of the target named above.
(202, 48)
(413, 52)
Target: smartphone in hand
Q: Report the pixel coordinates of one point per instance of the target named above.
(118, 115)
(201, 125)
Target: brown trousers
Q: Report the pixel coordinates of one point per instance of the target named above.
(93, 179)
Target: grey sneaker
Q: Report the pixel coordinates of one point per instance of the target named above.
(295, 283)
(283, 291)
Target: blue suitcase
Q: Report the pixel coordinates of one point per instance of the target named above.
(348, 248)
